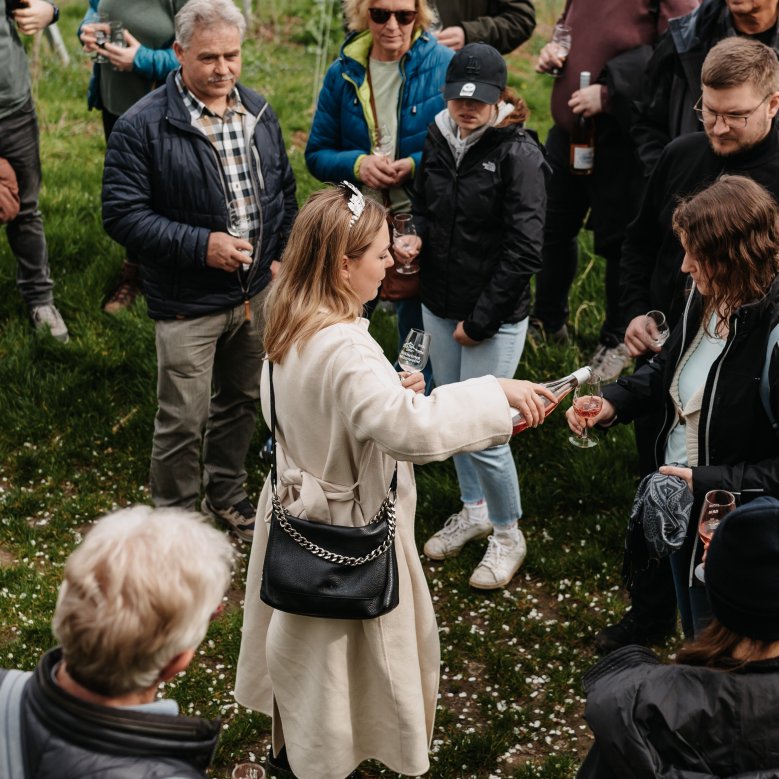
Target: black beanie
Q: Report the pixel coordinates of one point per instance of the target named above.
(742, 570)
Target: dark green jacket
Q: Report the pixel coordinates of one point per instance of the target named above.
(504, 24)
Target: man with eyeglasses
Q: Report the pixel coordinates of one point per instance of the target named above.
(672, 82)
(737, 110)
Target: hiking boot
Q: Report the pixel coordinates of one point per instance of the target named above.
(538, 334)
(238, 518)
(628, 631)
(48, 316)
(127, 291)
(499, 564)
(455, 534)
(608, 362)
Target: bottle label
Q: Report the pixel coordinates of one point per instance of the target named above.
(583, 157)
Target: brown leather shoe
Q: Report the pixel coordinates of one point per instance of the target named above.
(128, 289)
(123, 297)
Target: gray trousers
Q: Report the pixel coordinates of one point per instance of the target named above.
(208, 388)
(19, 144)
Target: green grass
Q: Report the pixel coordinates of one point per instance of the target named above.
(76, 435)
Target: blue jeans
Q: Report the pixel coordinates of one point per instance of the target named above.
(694, 609)
(491, 474)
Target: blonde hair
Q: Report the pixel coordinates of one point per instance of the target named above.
(137, 592)
(310, 292)
(356, 13)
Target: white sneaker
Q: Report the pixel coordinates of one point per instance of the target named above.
(455, 534)
(48, 316)
(608, 362)
(499, 564)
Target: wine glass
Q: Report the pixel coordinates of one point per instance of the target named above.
(561, 38)
(384, 145)
(404, 238)
(248, 771)
(239, 225)
(657, 327)
(415, 351)
(587, 403)
(716, 505)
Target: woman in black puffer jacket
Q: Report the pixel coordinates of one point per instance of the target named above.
(479, 205)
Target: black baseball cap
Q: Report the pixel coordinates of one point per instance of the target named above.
(477, 72)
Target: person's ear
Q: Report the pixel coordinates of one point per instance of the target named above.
(345, 268)
(178, 664)
(178, 50)
(773, 105)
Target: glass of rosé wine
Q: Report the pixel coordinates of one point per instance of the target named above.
(587, 403)
(716, 505)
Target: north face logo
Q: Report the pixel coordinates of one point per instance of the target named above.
(473, 67)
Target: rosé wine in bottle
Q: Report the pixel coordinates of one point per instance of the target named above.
(560, 388)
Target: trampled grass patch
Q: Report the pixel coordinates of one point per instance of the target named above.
(76, 437)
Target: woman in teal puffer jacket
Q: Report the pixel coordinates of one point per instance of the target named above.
(381, 93)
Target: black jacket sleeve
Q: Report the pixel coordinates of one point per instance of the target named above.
(523, 204)
(651, 130)
(643, 239)
(509, 24)
(128, 213)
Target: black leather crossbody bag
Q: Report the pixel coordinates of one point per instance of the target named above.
(322, 570)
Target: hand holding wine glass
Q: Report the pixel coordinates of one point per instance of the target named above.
(553, 55)
(587, 404)
(405, 243)
(716, 505)
(415, 351)
(239, 227)
(657, 327)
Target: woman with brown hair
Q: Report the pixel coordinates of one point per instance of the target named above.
(342, 691)
(707, 378)
(713, 713)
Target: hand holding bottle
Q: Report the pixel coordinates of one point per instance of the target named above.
(587, 101)
(577, 423)
(531, 400)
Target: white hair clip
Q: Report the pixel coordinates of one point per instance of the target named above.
(356, 203)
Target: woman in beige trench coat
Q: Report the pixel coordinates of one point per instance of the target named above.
(344, 691)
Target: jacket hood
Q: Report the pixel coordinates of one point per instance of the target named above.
(458, 145)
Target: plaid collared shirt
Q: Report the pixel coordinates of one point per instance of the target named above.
(226, 134)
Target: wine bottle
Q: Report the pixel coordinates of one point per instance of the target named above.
(583, 138)
(560, 388)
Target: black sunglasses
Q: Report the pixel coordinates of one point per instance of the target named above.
(382, 16)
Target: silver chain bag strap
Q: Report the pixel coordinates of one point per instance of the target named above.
(321, 570)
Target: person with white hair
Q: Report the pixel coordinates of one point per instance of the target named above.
(135, 602)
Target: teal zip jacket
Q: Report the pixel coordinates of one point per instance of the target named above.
(343, 124)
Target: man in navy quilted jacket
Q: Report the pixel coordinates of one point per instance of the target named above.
(198, 186)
